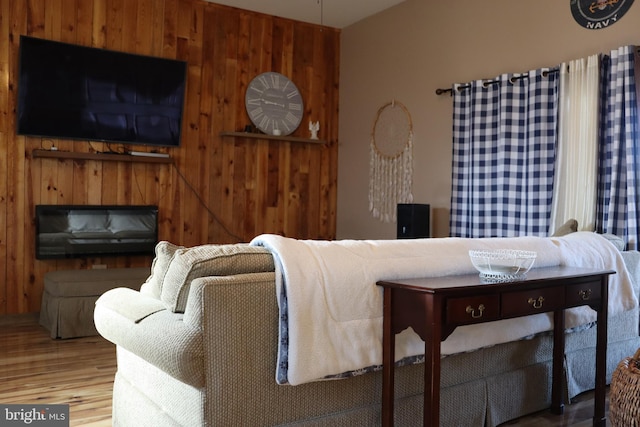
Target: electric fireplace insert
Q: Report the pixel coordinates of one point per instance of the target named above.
(84, 231)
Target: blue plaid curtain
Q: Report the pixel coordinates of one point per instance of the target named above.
(504, 139)
(619, 165)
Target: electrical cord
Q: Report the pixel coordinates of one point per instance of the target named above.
(204, 204)
(121, 150)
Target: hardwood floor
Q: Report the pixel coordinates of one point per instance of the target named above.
(34, 369)
(578, 414)
(79, 372)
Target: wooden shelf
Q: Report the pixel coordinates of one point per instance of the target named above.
(272, 137)
(52, 154)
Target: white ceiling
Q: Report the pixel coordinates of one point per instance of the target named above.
(332, 13)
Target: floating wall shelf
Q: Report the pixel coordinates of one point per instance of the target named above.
(53, 154)
(272, 137)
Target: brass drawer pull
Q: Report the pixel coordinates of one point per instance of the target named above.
(472, 311)
(536, 303)
(585, 295)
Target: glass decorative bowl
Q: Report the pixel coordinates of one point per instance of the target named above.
(502, 265)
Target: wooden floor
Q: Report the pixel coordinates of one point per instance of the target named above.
(578, 414)
(34, 369)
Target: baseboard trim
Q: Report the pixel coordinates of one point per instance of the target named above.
(16, 319)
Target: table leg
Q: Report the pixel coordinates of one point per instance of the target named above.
(557, 384)
(599, 418)
(388, 359)
(432, 362)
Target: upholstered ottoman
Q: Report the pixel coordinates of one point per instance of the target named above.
(69, 297)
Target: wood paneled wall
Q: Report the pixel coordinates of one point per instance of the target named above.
(220, 190)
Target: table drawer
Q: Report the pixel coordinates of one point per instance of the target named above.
(524, 303)
(583, 293)
(464, 311)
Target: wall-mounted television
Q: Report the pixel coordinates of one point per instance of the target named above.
(75, 92)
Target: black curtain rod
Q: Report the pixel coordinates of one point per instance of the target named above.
(441, 91)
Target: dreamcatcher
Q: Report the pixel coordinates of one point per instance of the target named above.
(391, 162)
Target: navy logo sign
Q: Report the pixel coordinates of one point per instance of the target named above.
(597, 14)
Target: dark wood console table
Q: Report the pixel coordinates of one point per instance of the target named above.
(434, 307)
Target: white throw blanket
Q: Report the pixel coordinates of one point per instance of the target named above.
(334, 308)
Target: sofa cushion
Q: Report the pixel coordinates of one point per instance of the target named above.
(164, 254)
(210, 260)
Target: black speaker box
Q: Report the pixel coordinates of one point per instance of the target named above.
(413, 221)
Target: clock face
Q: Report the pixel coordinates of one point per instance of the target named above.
(274, 104)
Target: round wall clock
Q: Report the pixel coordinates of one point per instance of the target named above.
(274, 104)
(597, 14)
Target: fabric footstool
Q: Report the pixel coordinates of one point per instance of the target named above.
(69, 297)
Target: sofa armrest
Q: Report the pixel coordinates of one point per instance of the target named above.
(130, 304)
(162, 338)
(239, 319)
(224, 317)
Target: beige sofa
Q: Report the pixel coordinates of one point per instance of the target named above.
(197, 346)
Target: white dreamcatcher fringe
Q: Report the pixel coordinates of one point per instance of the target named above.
(390, 180)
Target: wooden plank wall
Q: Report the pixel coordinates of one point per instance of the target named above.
(220, 190)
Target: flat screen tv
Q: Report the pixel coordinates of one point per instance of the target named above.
(75, 92)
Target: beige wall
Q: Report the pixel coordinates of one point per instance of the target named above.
(406, 52)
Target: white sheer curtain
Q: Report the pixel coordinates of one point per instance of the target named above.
(576, 180)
